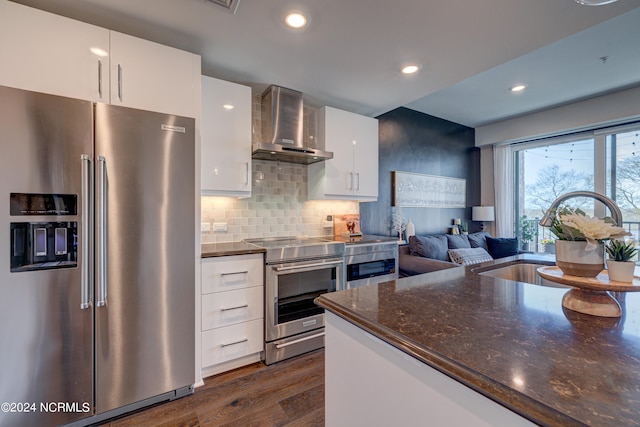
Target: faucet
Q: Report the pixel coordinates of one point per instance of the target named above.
(550, 214)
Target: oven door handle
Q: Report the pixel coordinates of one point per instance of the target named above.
(307, 267)
(299, 340)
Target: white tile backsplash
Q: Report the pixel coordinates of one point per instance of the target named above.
(278, 206)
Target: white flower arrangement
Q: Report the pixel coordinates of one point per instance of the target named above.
(577, 226)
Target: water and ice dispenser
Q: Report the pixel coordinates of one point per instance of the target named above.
(42, 245)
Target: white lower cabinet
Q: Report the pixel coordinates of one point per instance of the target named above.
(232, 312)
(232, 342)
(228, 308)
(368, 382)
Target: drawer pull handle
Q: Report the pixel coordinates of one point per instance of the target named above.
(235, 272)
(234, 343)
(235, 308)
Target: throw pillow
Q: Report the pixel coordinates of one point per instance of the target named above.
(479, 240)
(434, 247)
(469, 256)
(502, 247)
(457, 241)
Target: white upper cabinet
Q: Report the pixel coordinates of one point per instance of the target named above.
(52, 54)
(47, 53)
(151, 76)
(353, 172)
(226, 138)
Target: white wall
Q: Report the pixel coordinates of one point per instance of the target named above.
(487, 189)
(606, 110)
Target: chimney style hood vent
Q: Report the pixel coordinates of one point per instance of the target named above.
(282, 129)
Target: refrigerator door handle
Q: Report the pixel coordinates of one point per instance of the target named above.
(85, 290)
(101, 247)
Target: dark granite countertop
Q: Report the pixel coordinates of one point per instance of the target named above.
(232, 248)
(511, 341)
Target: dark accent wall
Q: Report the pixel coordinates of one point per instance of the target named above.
(415, 142)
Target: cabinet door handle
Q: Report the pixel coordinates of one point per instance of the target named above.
(120, 82)
(357, 181)
(100, 79)
(350, 180)
(246, 181)
(234, 343)
(235, 308)
(235, 272)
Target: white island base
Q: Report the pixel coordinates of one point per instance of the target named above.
(370, 383)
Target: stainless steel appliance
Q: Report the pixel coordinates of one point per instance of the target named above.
(283, 116)
(370, 259)
(96, 261)
(297, 271)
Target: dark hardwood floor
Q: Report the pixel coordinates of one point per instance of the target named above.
(288, 393)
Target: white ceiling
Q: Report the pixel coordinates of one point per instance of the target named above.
(471, 51)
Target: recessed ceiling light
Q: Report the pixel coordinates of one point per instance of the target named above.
(410, 69)
(227, 107)
(517, 88)
(295, 20)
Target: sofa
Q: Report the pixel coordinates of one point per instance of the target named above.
(425, 254)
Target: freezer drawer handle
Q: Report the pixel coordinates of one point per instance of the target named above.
(101, 206)
(234, 343)
(85, 292)
(299, 340)
(235, 308)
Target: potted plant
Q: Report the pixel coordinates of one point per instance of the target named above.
(619, 264)
(528, 230)
(548, 245)
(580, 241)
(464, 226)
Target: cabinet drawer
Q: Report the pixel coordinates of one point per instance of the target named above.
(231, 307)
(231, 342)
(232, 272)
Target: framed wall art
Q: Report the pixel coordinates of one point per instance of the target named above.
(419, 190)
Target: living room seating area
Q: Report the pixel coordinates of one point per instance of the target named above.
(425, 254)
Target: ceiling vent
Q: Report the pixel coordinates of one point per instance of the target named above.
(231, 5)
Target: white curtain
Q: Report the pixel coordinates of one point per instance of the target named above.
(503, 179)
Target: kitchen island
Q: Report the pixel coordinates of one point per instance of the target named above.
(456, 347)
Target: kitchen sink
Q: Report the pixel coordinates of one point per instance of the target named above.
(521, 272)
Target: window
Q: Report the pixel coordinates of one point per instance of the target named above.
(623, 176)
(606, 161)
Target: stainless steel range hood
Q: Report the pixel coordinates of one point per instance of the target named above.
(283, 129)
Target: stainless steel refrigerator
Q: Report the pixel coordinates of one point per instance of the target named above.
(97, 259)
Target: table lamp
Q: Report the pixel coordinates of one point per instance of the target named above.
(482, 214)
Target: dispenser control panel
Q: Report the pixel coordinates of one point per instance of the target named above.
(42, 245)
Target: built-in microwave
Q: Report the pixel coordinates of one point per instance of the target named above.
(371, 263)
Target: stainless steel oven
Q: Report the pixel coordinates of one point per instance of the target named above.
(296, 272)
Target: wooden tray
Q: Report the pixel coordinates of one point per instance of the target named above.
(599, 283)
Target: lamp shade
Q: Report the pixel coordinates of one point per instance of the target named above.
(482, 213)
